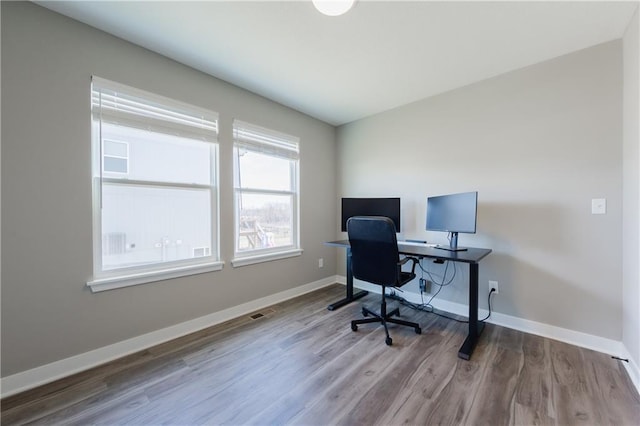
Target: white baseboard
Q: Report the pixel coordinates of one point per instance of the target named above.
(29, 379)
(632, 369)
(577, 338)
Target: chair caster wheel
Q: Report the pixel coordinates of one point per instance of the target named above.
(364, 312)
(418, 330)
(354, 327)
(388, 341)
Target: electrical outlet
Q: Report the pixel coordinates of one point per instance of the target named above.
(599, 206)
(494, 284)
(425, 285)
(321, 263)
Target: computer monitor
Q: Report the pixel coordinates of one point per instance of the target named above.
(453, 213)
(389, 207)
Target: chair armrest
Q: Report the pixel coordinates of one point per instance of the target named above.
(405, 260)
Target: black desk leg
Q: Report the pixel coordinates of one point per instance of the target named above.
(475, 326)
(350, 296)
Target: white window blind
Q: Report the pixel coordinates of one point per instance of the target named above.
(116, 103)
(265, 141)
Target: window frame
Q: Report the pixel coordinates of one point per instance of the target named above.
(107, 279)
(268, 142)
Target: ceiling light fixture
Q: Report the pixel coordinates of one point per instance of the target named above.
(333, 7)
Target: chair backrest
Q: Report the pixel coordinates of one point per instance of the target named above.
(374, 249)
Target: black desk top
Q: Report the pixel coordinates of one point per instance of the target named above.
(471, 255)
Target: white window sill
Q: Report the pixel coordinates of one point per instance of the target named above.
(110, 283)
(265, 257)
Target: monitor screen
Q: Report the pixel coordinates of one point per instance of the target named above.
(389, 207)
(453, 213)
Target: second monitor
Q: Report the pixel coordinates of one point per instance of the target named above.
(453, 213)
(389, 207)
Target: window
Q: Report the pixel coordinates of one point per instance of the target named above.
(155, 187)
(201, 251)
(266, 172)
(115, 157)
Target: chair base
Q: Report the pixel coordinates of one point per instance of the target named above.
(383, 317)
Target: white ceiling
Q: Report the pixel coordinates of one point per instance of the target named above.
(380, 55)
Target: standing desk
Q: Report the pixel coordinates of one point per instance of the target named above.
(472, 256)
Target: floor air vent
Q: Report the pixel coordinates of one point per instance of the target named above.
(261, 314)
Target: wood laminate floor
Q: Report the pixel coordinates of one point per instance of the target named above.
(301, 364)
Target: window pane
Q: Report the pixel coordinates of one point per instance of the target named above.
(144, 225)
(264, 221)
(115, 165)
(115, 148)
(260, 171)
(161, 157)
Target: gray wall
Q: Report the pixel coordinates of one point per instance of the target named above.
(538, 144)
(631, 185)
(48, 313)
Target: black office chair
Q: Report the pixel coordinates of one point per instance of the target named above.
(375, 259)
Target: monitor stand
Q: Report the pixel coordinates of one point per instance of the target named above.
(453, 244)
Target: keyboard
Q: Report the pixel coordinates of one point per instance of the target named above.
(414, 243)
